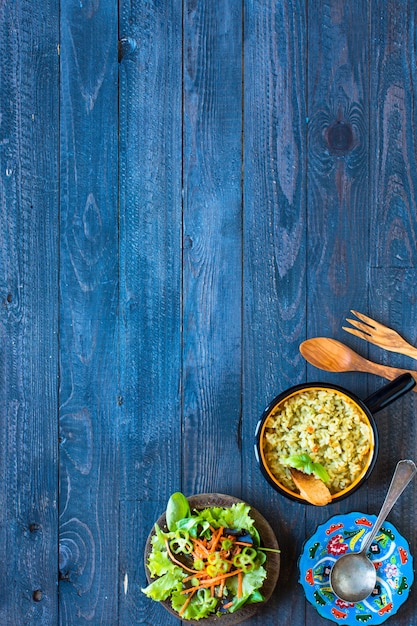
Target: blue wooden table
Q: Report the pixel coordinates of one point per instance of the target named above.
(188, 190)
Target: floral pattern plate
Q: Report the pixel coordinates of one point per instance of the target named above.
(389, 552)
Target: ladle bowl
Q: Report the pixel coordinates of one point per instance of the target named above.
(353, 576)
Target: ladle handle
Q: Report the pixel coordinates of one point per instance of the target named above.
(404, 472)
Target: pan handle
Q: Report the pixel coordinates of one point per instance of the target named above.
(389, 393)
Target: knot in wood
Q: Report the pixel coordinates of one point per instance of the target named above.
(127, 45)
(34, 527)
(339, 137)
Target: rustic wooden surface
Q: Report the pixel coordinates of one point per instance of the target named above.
(188, 191)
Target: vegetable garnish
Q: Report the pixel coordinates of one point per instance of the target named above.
(210, 562)
(304, 463)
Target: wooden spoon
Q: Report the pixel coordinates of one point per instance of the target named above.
(311, 488)
(333, 356)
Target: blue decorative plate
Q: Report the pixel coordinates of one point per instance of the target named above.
(389, 552)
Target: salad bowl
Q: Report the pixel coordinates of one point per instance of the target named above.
(268, 541)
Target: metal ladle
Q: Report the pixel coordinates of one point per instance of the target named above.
(353, 576)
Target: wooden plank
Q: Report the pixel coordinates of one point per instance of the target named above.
(274, 258)
(136, 515)
(29, 312)
(392, 295)
(393, 256)
(338, 190)
(89, 505)
(338, 197)
(212, 247)
(393, 159)
(150, 289)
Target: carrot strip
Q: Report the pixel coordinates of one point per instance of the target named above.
(212, 581)
(218, 579)
(197, 575)
(243, 543)
(216, 538)
(186, 603)
(239, 584)
(174, 560)
(201, 545)
(228, 605)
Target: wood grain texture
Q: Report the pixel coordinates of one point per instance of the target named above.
(212, 259)
(150, 252)
(338, 168)
(393, 139)
(338, 219)
(150, 283)
(136, 515)
(89, 503)
(393, 298)
(274, 258)
(188, 190)
(29, 312)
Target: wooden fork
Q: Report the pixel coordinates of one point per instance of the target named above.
(380, 335)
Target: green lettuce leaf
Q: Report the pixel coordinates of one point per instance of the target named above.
(236, 517)
(159, 563)
(193, 525)
(162, 587)
(251, 581)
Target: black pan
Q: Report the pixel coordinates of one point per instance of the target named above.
(374, 403)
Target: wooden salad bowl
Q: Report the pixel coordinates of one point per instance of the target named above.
(272, 563)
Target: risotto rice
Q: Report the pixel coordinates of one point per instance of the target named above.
(327, 426)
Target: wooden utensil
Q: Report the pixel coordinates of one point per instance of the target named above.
(333, 356)
(380, 335)
(311, 488)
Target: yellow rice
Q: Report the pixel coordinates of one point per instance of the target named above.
(327, 426)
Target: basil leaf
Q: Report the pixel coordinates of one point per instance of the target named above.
(304, 463)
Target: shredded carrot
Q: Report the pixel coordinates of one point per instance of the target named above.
(218, 579)
(239, 584)
(186, 603)
(216, 538)
(211, 581)
(243, 543)
(199, 544)
(228, 605)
